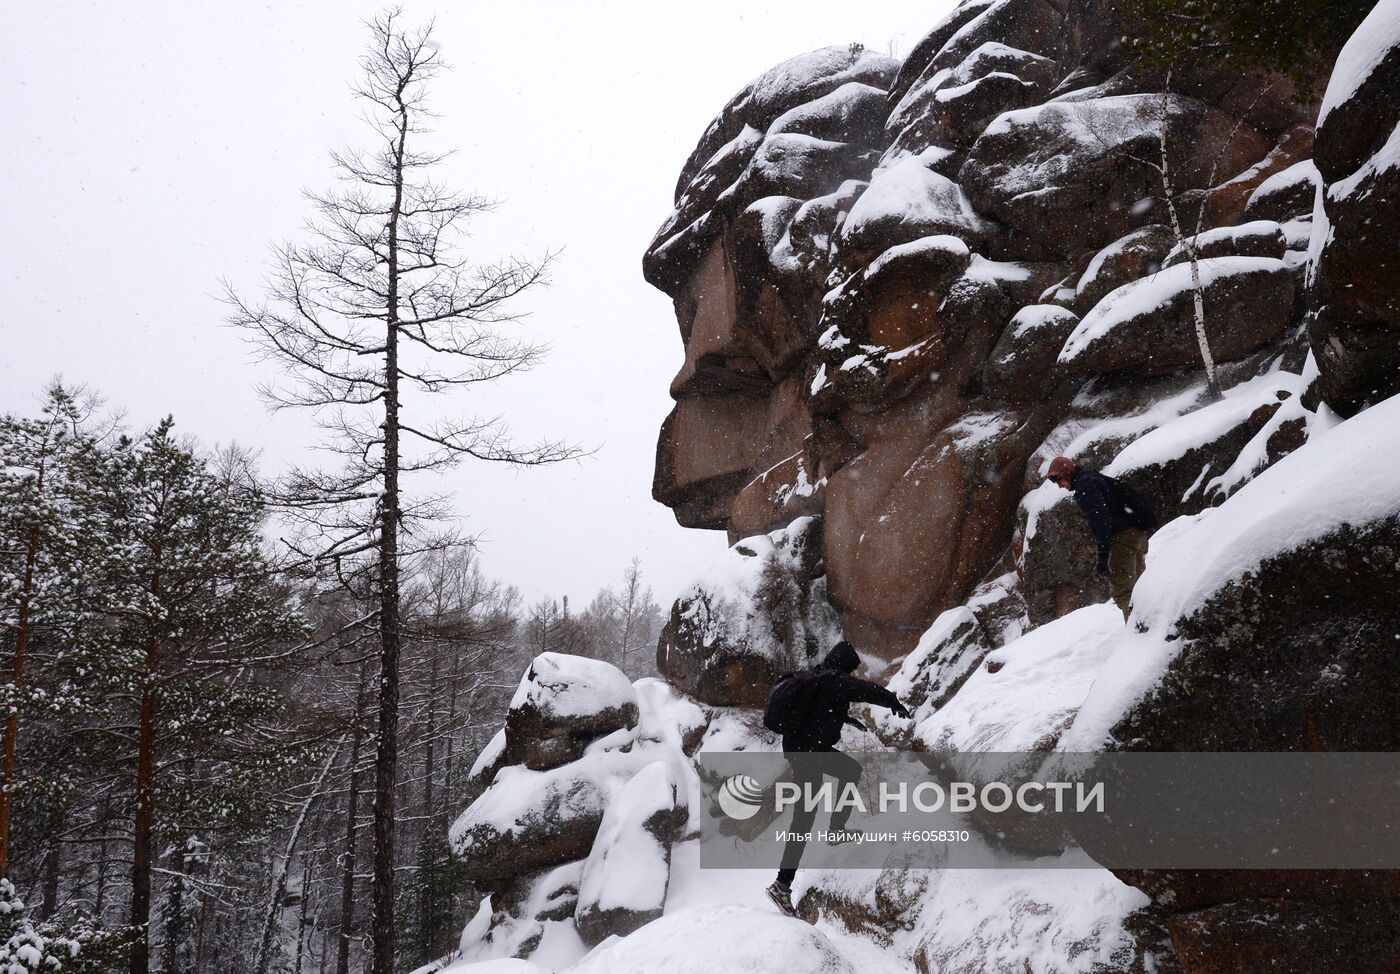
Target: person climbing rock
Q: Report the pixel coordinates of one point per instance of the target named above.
(808, 709)
(1120, 519)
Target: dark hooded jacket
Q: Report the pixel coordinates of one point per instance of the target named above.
(1110, 506)
(831, 697)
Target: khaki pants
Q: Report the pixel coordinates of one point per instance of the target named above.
(1127, 555)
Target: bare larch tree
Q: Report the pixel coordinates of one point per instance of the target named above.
(378, 302)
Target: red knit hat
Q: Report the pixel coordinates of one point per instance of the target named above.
(1061, 467)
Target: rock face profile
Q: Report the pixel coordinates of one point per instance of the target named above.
(896, 282)
(903, 287)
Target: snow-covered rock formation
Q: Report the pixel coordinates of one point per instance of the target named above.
(897, 282)
(903, 287)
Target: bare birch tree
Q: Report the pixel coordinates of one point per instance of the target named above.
(376, 304)
(1187, 240)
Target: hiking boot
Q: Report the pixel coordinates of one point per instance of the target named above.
(782, 898)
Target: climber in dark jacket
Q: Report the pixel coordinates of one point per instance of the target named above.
(811, 751)
(1120, 519)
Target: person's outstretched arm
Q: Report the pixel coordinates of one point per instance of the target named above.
(855, 690)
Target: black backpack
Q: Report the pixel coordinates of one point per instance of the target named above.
(790, 701)
(1137, 510)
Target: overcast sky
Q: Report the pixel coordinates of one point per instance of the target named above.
(151, 148)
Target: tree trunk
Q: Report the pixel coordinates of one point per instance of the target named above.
(175, 921)
(11, 743)
(199, 933)
(387, 757)
(1188, 245)
(352, 811)
(279, 872)
(305, 909)
(52, 860)
(141, 831)
(100, 903)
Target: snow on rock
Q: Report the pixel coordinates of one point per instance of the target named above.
(1286, 195)
(783, 87)
(1008, 921)
(667, 717)
(561, 704)
(1137, 255)
(1022, 365)
(528, 819)
(1054, 171)
(719, 939)
(946, 655)
(626, 874)
(905, 202)
(1148, 325)
(1373, 42)
(947, 253)
(851, 113)
(1258, 238)
(1340, 485)
(532, 918)
(800, 128)
(1023, 696)
(1354, 266)
(955, 105)
(531, 819)
(501, 965)
(1205, 455)
(720, 645)
(791, 164)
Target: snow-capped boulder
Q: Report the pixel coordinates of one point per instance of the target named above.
(1199, 459)
(1355, 266)
(1022, 365)
(531, 917)
(564, 702)
(1136, 255)
(759, 610)
(1059, 173)
(1286, 195)
(719, 940)
(904, 202)
(851, 113)
(798, 129)
(1148, 326)
(946, 655)
(626, 875)
(794, 82)
(1024, 696)
(1258, 238)
(954, 106)
(528, 820)
(1009, 921)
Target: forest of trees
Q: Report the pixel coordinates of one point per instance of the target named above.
(241, 711)
(189, 748)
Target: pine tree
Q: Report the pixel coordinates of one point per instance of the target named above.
(39, 572)
(188, 620)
